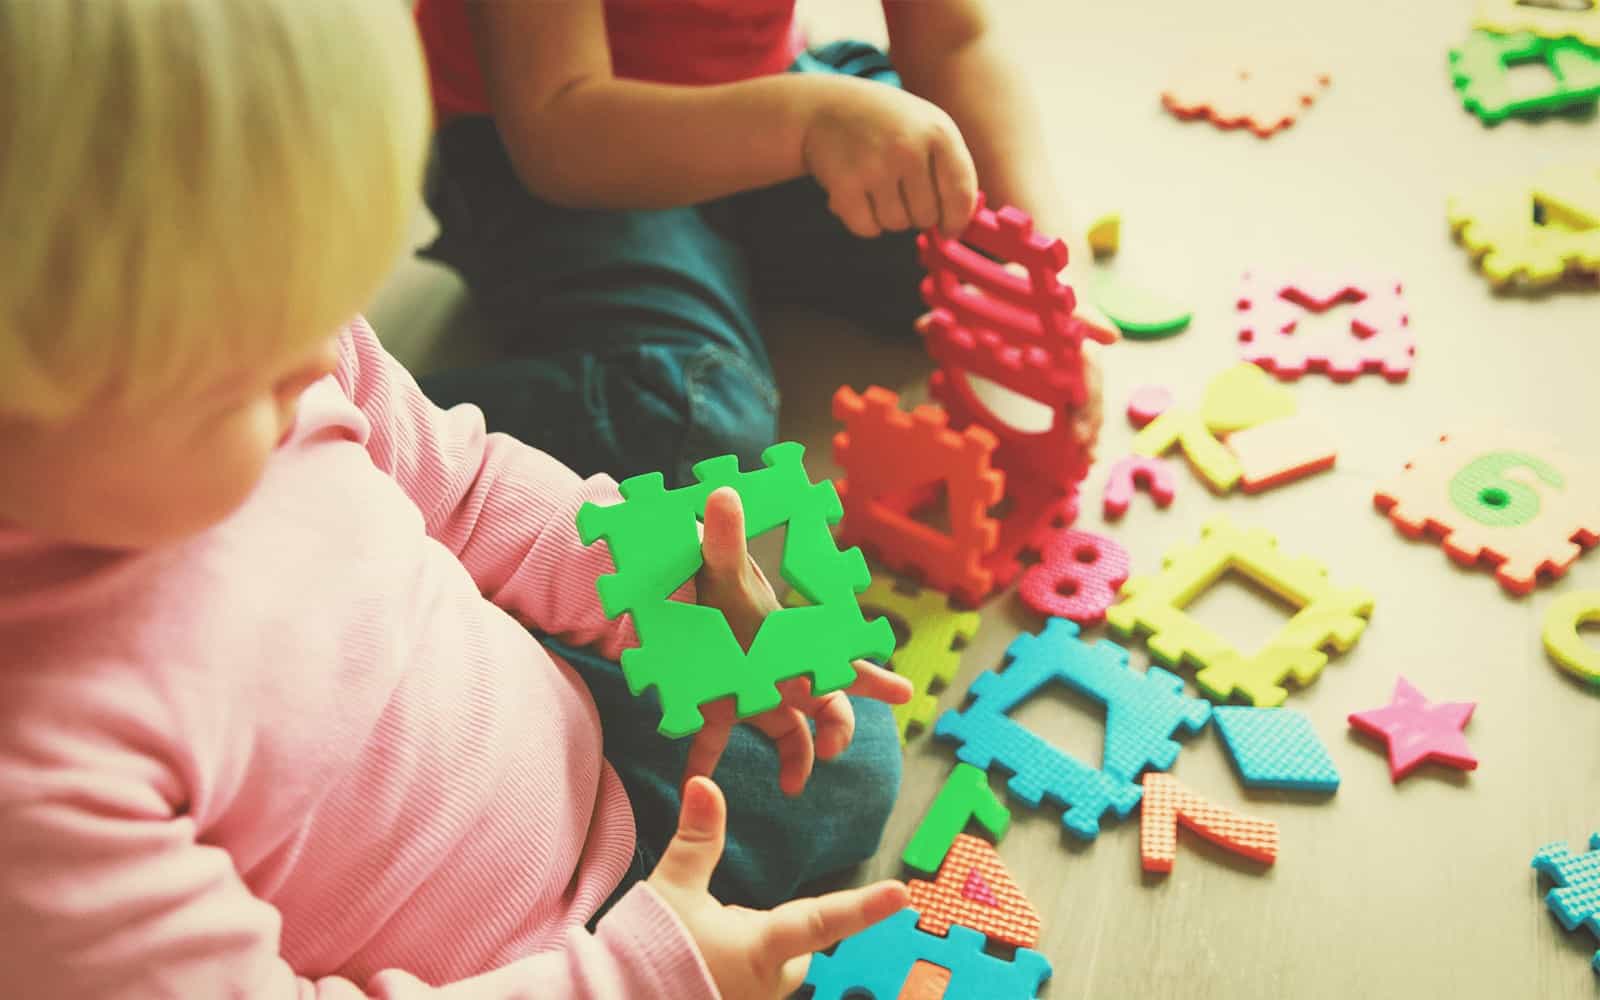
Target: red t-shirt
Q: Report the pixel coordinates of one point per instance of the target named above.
(665, 41)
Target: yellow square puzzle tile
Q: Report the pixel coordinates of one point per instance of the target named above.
(1329, 617)
(1578, 19)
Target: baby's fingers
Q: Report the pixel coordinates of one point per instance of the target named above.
(712, 739)
(797, 753)
(808, 925)
(880, 684)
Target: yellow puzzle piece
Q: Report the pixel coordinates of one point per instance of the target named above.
(929, 654)
(1561, 638)
(1242, 397)
(1105, 234)
(1498, 225)
(1218, 466)
(1328, 616)
(1550, 19)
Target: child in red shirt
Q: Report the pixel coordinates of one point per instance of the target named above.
(622, 183)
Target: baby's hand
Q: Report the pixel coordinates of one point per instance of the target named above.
(890, 160)
(732, 583)
(754, 954)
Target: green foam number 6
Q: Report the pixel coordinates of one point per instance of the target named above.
(1482, 491)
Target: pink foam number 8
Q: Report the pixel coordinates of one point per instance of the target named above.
(1077, 577)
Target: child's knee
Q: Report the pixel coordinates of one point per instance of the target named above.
(731, 408)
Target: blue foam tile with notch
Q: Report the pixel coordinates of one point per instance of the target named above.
(1575, 900)
(1143, 711)
(1276, 748)
(877, 962)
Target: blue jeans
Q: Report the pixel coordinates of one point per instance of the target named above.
(630, 338)
(775, 843)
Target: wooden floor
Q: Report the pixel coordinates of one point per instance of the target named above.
(1416, 890)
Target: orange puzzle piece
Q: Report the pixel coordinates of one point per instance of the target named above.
(926, 982)
(1264, 98)
(892, 460)
(974, 889)
(1496, 499)
(894, 464)
(1167, 804)
(1281, 451)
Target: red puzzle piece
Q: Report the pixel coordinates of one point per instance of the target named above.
(1077, 577)
(1167, 803)
(1007, 915)
(1015, 331)
(1380, 335)
(1154, 474)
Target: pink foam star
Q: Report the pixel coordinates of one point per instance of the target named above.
(1417, 731)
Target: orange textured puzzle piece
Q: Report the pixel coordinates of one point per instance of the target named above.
(891, 458)
(926, 982)
(1499, 499)
(1011, 918)
(1264, 98)
(1168, 804)
(1282, 451)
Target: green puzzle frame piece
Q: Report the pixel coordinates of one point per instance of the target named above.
(1328, 616)
(1481, 71)
(687, 652)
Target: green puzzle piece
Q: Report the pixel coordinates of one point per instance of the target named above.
(687, 652)
(1481, 70)
(966, 795)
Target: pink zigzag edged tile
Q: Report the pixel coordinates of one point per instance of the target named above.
(1379, 337)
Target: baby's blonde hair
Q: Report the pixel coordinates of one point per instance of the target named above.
(187, 185)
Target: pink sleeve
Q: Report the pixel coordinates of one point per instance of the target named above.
(100, 899)
(508, 511)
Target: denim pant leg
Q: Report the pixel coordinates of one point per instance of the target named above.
(801, 254)
(629, 341)
(775, 844)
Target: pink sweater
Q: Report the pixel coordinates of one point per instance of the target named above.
(312, 752)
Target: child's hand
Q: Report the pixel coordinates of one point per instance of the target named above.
(889, 161)
(754, 954)
(732, 583)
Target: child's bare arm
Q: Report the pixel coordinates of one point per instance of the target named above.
(946, 51)
(580, 137)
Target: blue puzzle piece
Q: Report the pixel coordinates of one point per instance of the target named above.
(1576, 898)
(1276, 748)
(875, 964)
(1142, 710)
(1142, 713)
